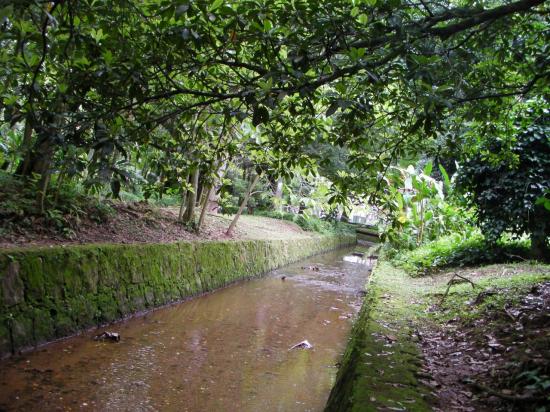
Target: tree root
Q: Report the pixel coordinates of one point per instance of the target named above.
(452, 282)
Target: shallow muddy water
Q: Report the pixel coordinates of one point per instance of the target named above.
(226, 351)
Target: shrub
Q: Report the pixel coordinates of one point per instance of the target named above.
(309, 223)
(506, 191)
(65, 205)
(458, 250)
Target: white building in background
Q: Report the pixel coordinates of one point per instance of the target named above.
(365, 215)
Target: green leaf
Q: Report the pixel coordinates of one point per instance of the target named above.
(363, 19)
(428, 168)
(446, 180)
(9, 100)
(108, 56)
(215, 5)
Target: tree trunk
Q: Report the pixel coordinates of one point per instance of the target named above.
(43, 190)
(183, 199)
(213, 199)
(279, 195)
(243, 205)
(192, 197)
(204, 208)
(539, 246)
(25, 148)
(40, 158)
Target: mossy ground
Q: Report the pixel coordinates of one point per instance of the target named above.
(378, 370)
(383, 367)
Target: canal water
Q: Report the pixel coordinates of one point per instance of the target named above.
(225, 351)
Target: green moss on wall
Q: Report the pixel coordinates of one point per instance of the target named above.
(52, 292)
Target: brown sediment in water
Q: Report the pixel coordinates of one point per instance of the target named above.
(225, 351)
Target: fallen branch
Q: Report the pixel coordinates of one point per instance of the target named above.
(452, 282)
(482, 295)
(517, 257)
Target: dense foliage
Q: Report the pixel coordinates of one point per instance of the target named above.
(162, 98)
(506, 192)
(459, 249)
(418, 210)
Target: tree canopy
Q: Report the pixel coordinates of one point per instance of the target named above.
(96, 86)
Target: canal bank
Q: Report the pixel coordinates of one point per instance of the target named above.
(379, 369)
(52, 292)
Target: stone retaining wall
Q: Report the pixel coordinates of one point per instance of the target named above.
(52, 292)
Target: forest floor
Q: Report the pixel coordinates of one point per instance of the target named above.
(466, 339)
(143, 223)
(486, 342)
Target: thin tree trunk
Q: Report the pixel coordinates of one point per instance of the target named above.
(421, 231)
(192, 197)
(183, 199)
(212, 202)
(203, 196)
(204, 207)
(279, 194)
(200, 193)
(243, 205)
(26, 147)
(43, 190)
(60, 181)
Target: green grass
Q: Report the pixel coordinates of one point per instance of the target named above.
(459, 302)
(455, 250)
(310, 223)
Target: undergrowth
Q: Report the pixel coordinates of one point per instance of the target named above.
(64, 206)
(309, 223)
(456, 250)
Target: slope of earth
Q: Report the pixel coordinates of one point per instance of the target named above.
(143, 223)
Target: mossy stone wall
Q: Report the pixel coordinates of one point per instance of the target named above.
(51, 292)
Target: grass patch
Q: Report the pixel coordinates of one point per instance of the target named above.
(379, 368)
(456, 250)
(310, 223)
(491, 294)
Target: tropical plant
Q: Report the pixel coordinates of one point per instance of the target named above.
(418, 211)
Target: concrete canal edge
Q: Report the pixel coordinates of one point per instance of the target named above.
(379, 367)
(51, 292)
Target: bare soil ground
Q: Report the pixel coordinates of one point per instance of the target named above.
(494, 354)
(467, 339)
(142, 223)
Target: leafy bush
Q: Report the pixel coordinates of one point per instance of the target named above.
(459, 250)
(508, 192)
(65, 204)
(417, 209)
